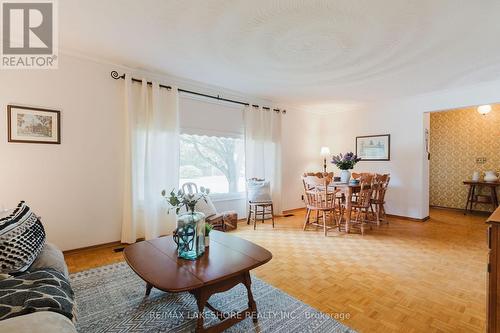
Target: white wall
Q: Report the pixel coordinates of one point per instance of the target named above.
(302, 141)
(77, 186)
(405, 121)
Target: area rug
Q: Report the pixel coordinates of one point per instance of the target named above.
(111, 299)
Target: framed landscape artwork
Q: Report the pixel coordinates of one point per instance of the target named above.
(33, 125)
(374, 147)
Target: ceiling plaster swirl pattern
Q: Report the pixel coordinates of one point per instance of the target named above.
(312, 42)
(299, 52)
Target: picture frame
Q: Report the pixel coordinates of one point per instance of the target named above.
(33, 125)
(374, 147)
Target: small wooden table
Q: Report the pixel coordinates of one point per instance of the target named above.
(472, 197)
(226, 263)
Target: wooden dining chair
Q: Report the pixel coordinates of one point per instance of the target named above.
(308, 187)
(319, 174)
(362, 204)
(260, 204)
(358, 175)
(320, 198)
(381, 183)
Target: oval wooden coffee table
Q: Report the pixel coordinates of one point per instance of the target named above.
(226, 263)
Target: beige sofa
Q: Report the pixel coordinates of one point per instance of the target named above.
(46, 321)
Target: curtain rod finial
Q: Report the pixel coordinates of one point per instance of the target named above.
(116, 76)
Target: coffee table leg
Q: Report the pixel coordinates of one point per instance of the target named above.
(201, 301)
(148, 288)
(251, 302)
(226, 319)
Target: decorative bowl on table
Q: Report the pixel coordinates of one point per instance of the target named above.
(490, 176)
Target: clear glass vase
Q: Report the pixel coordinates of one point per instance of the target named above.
(190, 235)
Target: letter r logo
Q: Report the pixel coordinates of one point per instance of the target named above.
(27, 27)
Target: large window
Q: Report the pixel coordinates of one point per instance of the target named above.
(215, 162)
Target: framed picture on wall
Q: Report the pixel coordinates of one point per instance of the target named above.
(33, 125)
(374, 147)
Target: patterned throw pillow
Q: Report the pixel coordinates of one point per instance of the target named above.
(21, 239)
(206, 206)
(37, 290)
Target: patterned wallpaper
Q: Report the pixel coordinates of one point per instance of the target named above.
(457, 138)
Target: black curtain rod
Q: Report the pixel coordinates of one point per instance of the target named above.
(116, 76)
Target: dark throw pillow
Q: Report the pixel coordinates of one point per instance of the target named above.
(21, 239)
(38, 290)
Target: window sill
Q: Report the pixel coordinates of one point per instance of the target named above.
(227, 197)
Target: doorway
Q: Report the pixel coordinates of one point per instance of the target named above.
(463, 144)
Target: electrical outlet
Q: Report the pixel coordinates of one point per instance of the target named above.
(480, 160)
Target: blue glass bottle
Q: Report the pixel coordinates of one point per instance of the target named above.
(190, 235)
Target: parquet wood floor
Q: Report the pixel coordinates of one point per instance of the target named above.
(402, 277)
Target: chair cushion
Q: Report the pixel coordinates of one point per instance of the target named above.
(21, 239)
(258, 191)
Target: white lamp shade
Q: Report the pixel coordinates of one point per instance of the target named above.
(484, 109)
(325, 151)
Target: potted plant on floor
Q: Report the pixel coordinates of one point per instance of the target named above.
(190, 232)
(345, 163)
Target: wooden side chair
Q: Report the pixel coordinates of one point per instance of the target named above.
(311, 187)
(321, 199)
(362, 204)
(260, 204)
(381, 184)
(319, 174)
(190, 188)
(220, 221)
(358, 175)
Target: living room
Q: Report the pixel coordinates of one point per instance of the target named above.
(134, 97)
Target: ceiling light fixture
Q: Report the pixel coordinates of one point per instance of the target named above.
(484, 109)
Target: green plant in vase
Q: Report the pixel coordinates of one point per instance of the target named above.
(208, 228)
(190, 232)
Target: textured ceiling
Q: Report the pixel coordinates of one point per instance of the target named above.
(318, 55)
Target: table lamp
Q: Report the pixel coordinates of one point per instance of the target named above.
(324, 152)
